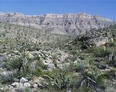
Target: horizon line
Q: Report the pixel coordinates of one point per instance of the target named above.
(57, 14)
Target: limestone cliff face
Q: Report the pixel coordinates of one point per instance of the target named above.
(72, 24)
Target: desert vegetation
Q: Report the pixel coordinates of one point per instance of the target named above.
(32, 60)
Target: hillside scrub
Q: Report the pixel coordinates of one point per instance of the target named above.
(56, 62)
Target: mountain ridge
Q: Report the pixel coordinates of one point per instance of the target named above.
(71, 24)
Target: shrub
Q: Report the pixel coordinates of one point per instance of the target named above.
(73, 52)
(8, 78)
(91, 80)
(59, 78)
(26, 72)
(111, 73)
(4, 90)
(101, 51)
(80, 66)
(54, 57)
(40, 64)
(38, 72)
(95, 74)
(14, 63)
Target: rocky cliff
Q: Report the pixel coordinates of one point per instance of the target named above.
(72, 24)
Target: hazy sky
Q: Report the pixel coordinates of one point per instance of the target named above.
(105, 8)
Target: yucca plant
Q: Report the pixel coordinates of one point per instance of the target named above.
(91, 80)
(59, 79)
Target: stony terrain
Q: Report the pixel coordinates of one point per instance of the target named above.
(71, 24)
(33, 60)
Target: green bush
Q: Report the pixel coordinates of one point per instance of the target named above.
(40, 64)
(80, 66)
(38, 72)
(74, 52)
(26, 72)
(95, 74)
(110, 74)
(91, 80)
(14, 63)
(100, 51)
(60, 78)
(4, 90)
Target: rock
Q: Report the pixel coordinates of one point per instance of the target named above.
(93, 38)
(35, 53)
(102, 42)
(38, 79)
(15, 84)
(71, 24)
(27, 85)
(69, 90)
(35, 85)
(39, 82)
(115, 63)
(23, 80)
(46, 62)
(102, 66)
(16, 80)
(52, 83)
(7, 76)
(51, 66)
(30, 56)
(41, 86)
(98, 60)
(10, 87)
(2, 59)
(1, 88)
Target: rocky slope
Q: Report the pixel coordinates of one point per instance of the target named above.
(34, 61)
(56, 63)
(72, 24)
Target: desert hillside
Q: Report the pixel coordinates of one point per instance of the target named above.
(36, 57)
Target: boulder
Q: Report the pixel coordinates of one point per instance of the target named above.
(102, 66)
(23, 80)
(51, 66)
(38, 79)
(35, 85)
(41, 86)
(15, 84)
(2, 59)
(10, 87)
(27, 85)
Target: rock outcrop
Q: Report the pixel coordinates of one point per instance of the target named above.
(71, 24)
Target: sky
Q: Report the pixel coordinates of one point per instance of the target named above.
(104, 8)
